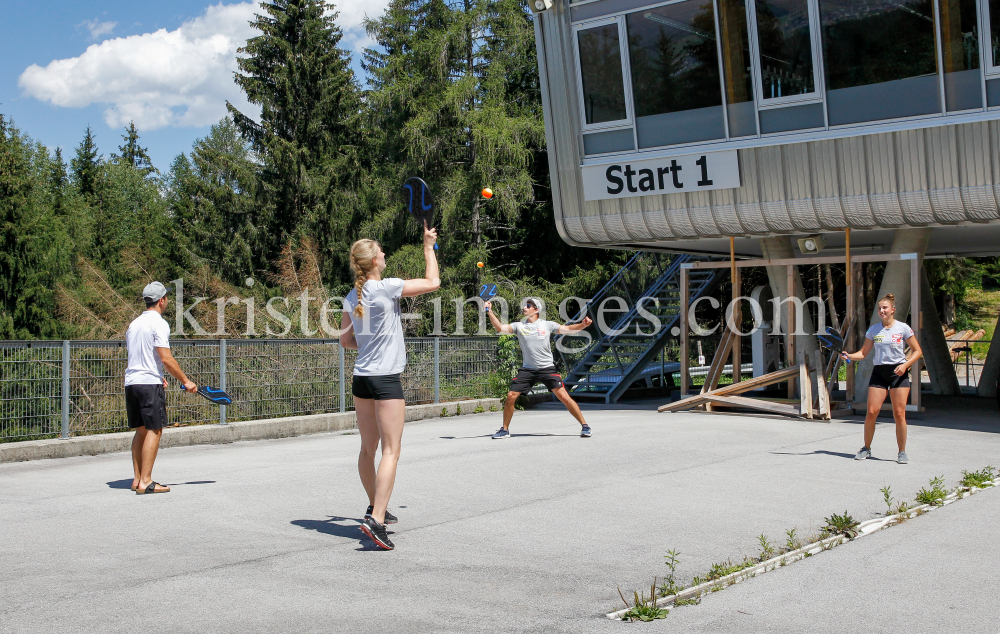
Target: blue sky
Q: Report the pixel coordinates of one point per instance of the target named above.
(165, 64)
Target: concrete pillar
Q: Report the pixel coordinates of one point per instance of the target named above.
(895, 280)
(936, 354)
(780, 248)
(991, 369)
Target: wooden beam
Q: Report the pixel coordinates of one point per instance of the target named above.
(805, 389)
(822, 395)
(790, 356)
(752, 403)
(735, 388)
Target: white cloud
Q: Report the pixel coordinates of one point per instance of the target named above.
(98, 28)
(175, 78)
(166, 78)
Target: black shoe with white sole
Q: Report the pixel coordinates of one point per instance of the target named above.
(377, 533)
(389, 517)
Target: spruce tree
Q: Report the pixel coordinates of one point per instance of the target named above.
(133, 153)
(301, 79)
(86, 164)
(212, 199)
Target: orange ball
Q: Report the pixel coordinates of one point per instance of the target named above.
(480, 264)
(487, 192)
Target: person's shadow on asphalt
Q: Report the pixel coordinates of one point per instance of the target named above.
(826, 453)
(127, 484)
(331, 526)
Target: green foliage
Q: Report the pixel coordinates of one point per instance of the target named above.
(643, 608)
(297, 73)
(980, 479)
(132, 153)
(791, 540)
(767, 549)
(86, 164)
(887, 497)
(935, 495)
(213, 198)
(841, 525)
(669, 586)
(507, 364)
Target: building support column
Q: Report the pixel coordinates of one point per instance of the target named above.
(895, 280)
(991, 368)
(937, 358)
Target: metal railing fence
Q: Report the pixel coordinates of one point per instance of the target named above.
(69, 388)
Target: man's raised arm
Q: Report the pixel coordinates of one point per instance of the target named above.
(504, 329)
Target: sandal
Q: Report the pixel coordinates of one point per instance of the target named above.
(152, 489)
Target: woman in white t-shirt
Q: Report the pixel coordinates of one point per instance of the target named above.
(372, 325)
(889, 339)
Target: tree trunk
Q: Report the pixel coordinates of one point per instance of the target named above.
(949, 309)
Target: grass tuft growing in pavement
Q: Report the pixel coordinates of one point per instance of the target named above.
(979, 479)
(643, 609)
(841, 525)
(935, 495)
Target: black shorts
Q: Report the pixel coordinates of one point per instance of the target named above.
(885, 378)
(146, 406)
(380, 388)
(526, 378)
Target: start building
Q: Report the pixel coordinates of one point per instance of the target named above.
(676, 125)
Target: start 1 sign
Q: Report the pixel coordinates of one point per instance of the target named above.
(691, 173)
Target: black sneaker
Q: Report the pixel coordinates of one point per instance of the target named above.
(377, 533)
(389, 517)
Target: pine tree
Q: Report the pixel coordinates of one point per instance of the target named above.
(133, 153)
(212, 198)
(303, 83)
(86, 164)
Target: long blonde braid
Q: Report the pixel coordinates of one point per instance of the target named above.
(363, 254)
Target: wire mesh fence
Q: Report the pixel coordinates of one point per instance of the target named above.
(53, 388)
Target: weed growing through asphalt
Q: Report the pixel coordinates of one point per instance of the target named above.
(979, 479)
(841, 525)
(791, 541)
(669, 586)
(479, 409)
(766, 547)
(887, 496)
(643, 609)
(935, 495)
(444, 412)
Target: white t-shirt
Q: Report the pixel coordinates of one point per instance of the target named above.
(890, 342)
(534, 339)
(146, 332)
(381, 349)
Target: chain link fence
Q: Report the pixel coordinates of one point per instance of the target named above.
(71, 388)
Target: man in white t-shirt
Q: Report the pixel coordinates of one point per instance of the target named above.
(148, 343)
(537, 365)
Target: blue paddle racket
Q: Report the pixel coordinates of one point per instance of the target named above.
(214, 395)
(419, 201)
(487, 292)
(832, 341)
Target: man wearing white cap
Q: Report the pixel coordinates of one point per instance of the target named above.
(148, 342)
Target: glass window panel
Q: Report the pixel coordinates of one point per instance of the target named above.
(736, 67)
(995, 30)
(880, 59)
(601, 70)
(960, 48)
(786, 63)
(675, 74)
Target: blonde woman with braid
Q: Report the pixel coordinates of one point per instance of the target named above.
(372, 325)
(888, 339)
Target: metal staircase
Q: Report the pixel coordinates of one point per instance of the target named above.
(615, 360)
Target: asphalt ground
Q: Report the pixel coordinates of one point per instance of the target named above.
(530, 534)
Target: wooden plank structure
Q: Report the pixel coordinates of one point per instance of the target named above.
(813, 395)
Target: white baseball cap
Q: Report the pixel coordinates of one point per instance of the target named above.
(154, 291)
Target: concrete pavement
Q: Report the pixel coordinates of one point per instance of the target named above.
(529, 534)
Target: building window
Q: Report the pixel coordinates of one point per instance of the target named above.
(784, 39)
(675, 74)
(960, 53)
(880, 59)
(601, 71)
(736, 68)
